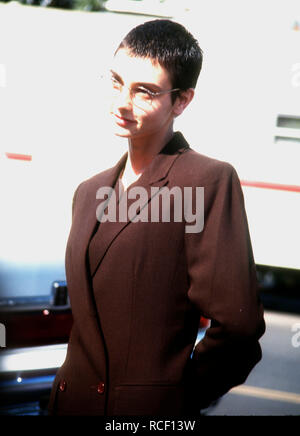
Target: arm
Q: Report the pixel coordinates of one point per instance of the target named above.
(223, 287)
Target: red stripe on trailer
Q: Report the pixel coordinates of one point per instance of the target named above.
(267, 185)
(18, 156)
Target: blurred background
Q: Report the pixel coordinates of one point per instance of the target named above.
(55, 132)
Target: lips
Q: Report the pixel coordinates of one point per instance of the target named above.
(122, 121)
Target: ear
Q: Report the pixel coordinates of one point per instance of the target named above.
(182, 101)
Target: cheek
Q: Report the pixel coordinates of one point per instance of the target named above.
(153, 119)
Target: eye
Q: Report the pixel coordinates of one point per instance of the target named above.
(143, 92)
(115, 82)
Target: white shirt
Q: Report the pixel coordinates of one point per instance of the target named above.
(128, 176)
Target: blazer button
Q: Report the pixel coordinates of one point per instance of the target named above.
(100, 388)
(62, 385)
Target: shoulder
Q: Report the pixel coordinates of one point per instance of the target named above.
(95, 179)
(94, 182)
(195, 167)
(87, 189)
(103, 178)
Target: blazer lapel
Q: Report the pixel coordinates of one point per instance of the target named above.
(155, 175)
(78, 278)
(85, 221)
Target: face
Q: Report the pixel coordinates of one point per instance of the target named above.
(130, 118)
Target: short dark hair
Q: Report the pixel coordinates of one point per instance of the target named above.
(170, 44)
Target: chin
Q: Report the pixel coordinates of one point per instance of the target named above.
(122, 134)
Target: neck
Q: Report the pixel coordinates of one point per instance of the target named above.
(142, 150)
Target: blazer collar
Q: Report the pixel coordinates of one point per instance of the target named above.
(158, 169)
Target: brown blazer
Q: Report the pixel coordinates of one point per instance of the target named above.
(138, 289)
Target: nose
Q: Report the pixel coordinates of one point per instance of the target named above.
(123, 99)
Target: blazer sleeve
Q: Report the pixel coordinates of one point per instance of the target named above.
(75, 197)
(223, 287)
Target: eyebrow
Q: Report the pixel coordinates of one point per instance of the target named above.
(116, 75)
(146, 85)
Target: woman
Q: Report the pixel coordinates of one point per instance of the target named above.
(139, 274)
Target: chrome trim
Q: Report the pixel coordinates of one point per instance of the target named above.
(32, 358)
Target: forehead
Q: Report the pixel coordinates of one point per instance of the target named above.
(139, 70)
